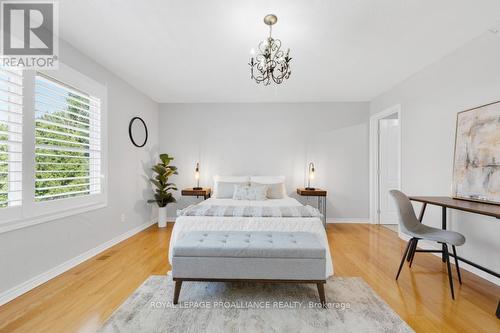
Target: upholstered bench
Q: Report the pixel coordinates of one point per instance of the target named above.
(291, 257)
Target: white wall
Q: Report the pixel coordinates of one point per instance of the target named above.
(273, 139)
(28, 252)
(430, 100)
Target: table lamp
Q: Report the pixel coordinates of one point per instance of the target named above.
(310, 177)
(197, 177)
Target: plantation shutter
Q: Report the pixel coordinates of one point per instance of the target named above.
(11, 119)
(67, 141)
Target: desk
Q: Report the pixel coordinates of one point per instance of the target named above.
(466, 206)
(198, 192)
(317, 192)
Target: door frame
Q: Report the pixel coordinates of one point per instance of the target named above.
(374, 158)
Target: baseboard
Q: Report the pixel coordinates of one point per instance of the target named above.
(429, 246)
(347, 220)
(34, 282)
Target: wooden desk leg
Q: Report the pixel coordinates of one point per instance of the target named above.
(443, 226)
(422, 212)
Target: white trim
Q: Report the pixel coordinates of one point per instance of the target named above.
(28, 222)
(433, 246)
(34, 282)
(347, 220)
(32, 212)
(374, 156)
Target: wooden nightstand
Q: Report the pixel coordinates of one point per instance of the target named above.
(204, 192)
(317, 192)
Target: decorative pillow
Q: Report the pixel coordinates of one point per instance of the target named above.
(245, 192)
(275, 185)
(224, 185)
(274, 191)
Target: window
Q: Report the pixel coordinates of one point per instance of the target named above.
(52, 146)
(67, 141)
(11, 114)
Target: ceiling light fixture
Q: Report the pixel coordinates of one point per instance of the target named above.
(271, 63)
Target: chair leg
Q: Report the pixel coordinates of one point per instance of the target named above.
(448, 265)
(321, 292)
(177, 291)
(414, 250)
(408, 256)
(404, 257)
(456, 264)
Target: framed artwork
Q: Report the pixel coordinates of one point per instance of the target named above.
(476, 166)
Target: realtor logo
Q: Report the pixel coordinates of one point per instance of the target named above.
(29, 34)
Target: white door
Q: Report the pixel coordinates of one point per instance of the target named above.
(389, 173)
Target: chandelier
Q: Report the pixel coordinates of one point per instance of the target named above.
(271, 64)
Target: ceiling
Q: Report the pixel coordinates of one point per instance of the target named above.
(342, 50)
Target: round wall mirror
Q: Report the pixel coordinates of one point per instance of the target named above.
(138, 132)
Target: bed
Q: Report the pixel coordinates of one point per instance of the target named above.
(185, 224)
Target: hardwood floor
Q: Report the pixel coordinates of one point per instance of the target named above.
(81, 299)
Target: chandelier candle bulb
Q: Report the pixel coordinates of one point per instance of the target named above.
(270, 64)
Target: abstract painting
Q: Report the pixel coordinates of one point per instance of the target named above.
(476, 168)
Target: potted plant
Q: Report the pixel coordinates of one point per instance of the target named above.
(163, 195)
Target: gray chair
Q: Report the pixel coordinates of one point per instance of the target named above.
(411, 226)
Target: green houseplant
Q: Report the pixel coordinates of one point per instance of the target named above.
(163, 191)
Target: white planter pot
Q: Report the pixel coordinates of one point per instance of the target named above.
(162, 217)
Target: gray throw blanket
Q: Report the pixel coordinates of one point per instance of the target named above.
(249, 211)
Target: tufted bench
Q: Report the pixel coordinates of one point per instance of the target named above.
(294, 257)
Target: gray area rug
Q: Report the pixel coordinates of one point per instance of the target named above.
(251, 307)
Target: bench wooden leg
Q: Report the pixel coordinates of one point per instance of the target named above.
(321, 292)
(177, 291)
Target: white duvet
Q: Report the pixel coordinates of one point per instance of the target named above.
(184, 224)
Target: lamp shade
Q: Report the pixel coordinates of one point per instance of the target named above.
(197, 176)
(311, 175)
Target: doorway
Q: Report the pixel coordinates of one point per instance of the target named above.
(385, 165)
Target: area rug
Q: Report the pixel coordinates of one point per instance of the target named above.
(251, 307)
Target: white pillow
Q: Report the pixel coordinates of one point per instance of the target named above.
(267, 179)
(224, 185)
(275, 185)
(232, 179)
(245, 192)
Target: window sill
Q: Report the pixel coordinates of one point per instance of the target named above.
(25, 223)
